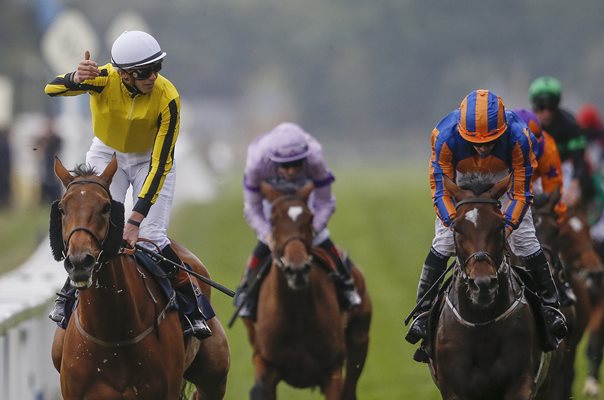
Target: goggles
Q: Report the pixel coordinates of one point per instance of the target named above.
(545, 103)
(292, 164)
(140, 74)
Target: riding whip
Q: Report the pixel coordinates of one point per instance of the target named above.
(253, 288)
(210, 282)
(434, 286)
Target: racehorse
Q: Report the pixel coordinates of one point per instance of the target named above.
(586, 279)
(486, 344)
(123, 340)
(560, 376)
(301, 335)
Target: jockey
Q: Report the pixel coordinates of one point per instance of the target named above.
(135, 115)
(289, 153)
(547, 178)
(548, 173)
(590, 122)
(545, 93)
(482, 137)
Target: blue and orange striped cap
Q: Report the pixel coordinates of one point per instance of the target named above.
(482, 117)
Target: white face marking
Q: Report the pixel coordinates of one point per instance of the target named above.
(294, 212)
(472, 216)
(82, 192)
(576, 224)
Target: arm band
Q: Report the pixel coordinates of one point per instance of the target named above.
(133, 222)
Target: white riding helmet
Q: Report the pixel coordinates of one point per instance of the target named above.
(289, 143)
(135, 49)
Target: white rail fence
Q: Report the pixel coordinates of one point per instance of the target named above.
(26, 294)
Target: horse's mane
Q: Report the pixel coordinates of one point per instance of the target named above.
(84, 170)
(477, 182)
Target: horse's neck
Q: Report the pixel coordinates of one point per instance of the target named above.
(117, 294)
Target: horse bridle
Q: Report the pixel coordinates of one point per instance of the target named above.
(101, 243)
(480, 255)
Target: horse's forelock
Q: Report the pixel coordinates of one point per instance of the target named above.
(82, 170)
(476, 182)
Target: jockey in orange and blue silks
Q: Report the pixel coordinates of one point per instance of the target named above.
(452, 155)
(548, 174)
(482, 137)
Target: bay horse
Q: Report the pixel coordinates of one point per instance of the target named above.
(559, 381)
(586, 278)
(123, 340)
(301, 335)
(486, 344)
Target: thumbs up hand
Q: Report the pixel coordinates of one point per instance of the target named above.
(87, 69)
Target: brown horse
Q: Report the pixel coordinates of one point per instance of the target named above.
(586, 279)
(560, 376)
(301, 335)
(123, 340)
(486, 344)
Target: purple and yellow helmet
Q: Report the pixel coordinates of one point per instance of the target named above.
(482, 117)
(530, 119)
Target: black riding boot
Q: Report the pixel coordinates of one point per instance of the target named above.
(344, 281)
(193, 320)
(246, 293)
(63, 306)
(433, 268)
(546, 289)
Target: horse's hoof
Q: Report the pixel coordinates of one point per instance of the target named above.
(591, 388)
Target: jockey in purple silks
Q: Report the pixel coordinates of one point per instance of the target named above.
(289, 155)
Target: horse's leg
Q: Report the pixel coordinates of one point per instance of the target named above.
(265, 380)
(523, 389)
(357, 342)
(594, 359)
(56, 351)
(334, 385)
(210, 368)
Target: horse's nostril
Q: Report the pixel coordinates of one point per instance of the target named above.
(84, 260)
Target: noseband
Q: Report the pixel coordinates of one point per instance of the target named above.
(280, 258)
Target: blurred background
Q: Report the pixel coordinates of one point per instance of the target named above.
(369, 79)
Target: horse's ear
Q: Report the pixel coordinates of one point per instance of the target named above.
(305, 191)
(269, 192)
(62, 173)
(451, 187)
(500, 187)
(110, 169)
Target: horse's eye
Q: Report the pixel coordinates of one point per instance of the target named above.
(61, 210)
(106, 208)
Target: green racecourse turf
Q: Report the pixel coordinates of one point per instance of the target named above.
(384, 220)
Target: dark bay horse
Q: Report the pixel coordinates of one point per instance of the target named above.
(301, 335)
(123, 341)
(559, 382)
(586, 278)
(486, 344)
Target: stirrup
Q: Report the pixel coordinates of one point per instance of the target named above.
(57, 314)
(556, 322)
(418, 329)
(197, 327)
